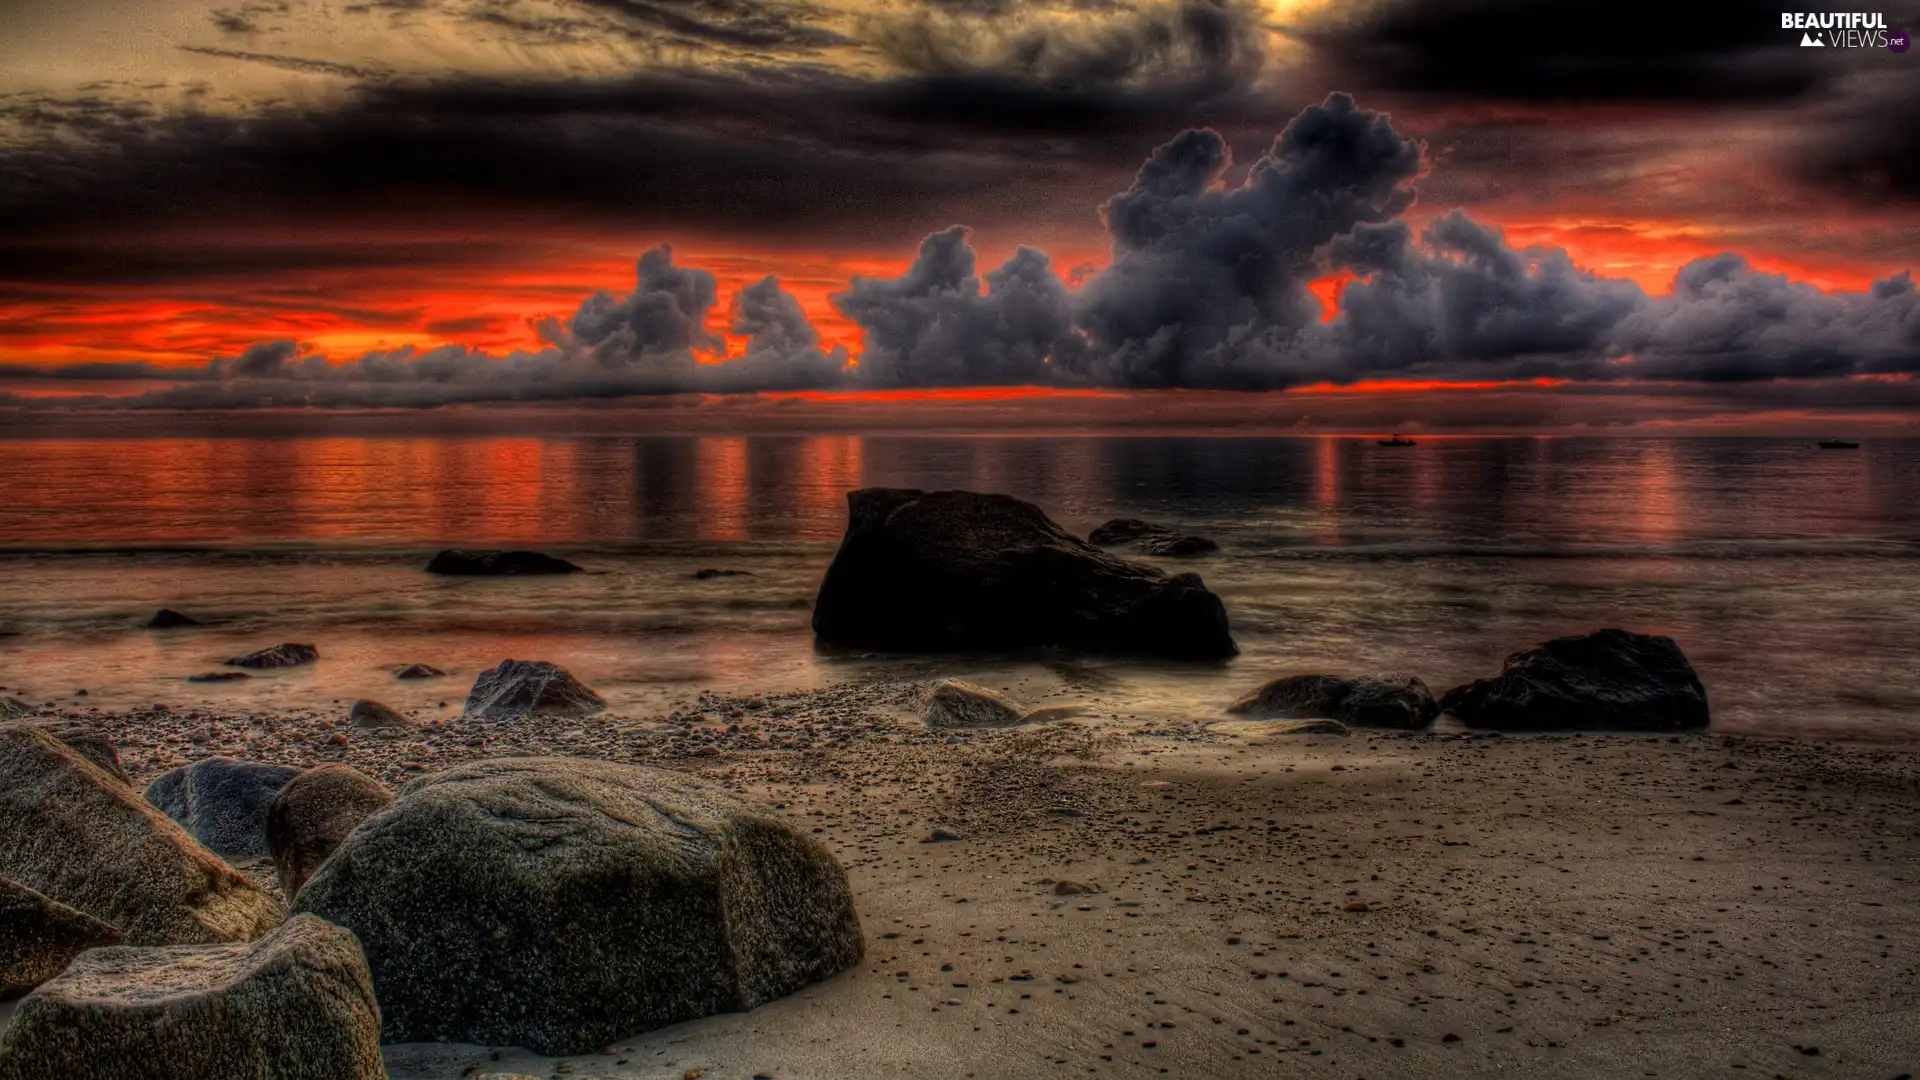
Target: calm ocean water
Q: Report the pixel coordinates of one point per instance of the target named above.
(1786, 572)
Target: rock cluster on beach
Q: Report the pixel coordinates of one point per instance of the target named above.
(953, 570)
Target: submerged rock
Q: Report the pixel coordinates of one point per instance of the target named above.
(711, 573)
(295, 1005)
(218, 676)
(167, 619)
(288, 654)
(561, 904)
(419, 671)
(39, 936)
(1150, 538)
(373, 715)
(222, 802)
(71, 831)
(517, 688)
(1611, 680)
(498, 563)
(1380, 701)
(953, 570)
(313, 814)
(957, 704)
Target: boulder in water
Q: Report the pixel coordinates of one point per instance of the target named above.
(473, 563)
(419, 671)
(1151, 538)
(1610, 680)
(710, 573)
(561, 904)
(313, 814)
(295, 1005)
(1378, 701)
(71, 831)
(957, 704)
(372, 715)
(218, 676)
(516, 688)
(39, 936)
(955, 570)
(288, 654)
(222, 802)
(168, 619)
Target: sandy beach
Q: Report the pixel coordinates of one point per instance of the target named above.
(1127, 896)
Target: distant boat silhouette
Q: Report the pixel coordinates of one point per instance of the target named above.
(1396, 441)
(1839, 444)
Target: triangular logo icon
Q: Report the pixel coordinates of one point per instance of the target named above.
(1807, 40)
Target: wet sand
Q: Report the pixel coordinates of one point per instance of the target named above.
(1373, 906)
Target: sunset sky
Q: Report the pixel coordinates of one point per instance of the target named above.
(1476, 214)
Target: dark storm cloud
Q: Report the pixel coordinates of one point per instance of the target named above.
(1864, 138)
(740, 23)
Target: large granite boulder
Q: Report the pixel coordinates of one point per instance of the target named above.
(1610, 680)
(1150, 538)
(1378, 701)
(222, 802)
(295, 1005)
(561, 904)
(468, 563)
(516, 688)
(956, 570)
(287, 654)
(39, 936)
(954, 703)
(73, 832)
(89, 741)
(312, 815)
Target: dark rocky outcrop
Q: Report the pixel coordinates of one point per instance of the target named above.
(954, 570)
(222, 802)
(295, 1005)
(73, 832)
(1610, 680)
(218, 676)
(419, 671)
(561, 904)
(1377, 701)
(957, 704)
(375, 716)
(39, 936)
(168, 619)
(517, 688)
(313, 814)
(88, 741)
(710, 573)
(1150, 538)
(287, 654)
(474, 563)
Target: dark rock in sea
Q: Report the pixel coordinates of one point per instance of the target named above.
(561, 904)
(1151, 538)
(1610, 680)
(419, 671)
(498, 564)
(70, 830)
(710, 573)
(1377, 701)
(39, 936)
(313, 814)
(295, 1005)
(530, 688)
(222, 802)
(957, 704)
(954, 570)
(372, 715)
(85, 739)
(219, 676)
(289, 654)
(167, 619)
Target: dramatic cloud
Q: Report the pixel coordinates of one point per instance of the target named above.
(1207, 287)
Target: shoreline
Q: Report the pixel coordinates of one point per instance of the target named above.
(1564, 904)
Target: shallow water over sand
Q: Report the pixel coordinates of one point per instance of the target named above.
(1786, 572)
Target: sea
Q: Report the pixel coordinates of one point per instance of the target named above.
(1786, 572)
